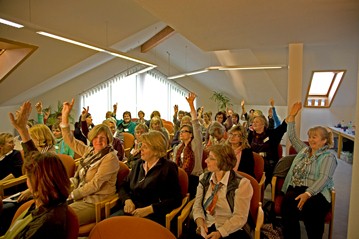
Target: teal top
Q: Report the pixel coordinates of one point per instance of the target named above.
(62, 148)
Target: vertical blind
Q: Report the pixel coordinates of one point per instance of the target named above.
(133, 92)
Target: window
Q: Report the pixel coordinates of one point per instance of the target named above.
(147, 91)
(323, 87)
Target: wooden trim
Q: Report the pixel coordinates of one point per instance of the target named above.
(157, 39)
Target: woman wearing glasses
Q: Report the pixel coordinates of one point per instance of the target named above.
(188, 154)
(237, 139)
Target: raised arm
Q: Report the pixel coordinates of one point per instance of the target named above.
(190, 99)
(19, 120)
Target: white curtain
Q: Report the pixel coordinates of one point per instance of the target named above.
(132, 92)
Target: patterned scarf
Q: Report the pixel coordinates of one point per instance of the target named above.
(185, 157)
(210, 203)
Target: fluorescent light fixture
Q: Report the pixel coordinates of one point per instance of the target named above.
(188, 74)
(235, 68)
(148, 68)
(227, 68)
(9, 23)
(69, 41)
(111, 52)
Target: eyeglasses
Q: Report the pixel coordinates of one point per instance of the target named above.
(184, 131)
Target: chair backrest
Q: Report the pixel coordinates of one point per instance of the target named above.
(128, 140)
(72, 220)
(280, 151)
(292, 149)
(69, 164)
(258, 166)
(183, 180)
(256, 196)
(121, 174)
(130, 227)
(169, 126)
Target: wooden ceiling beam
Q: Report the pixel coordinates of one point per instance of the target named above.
(157, 39)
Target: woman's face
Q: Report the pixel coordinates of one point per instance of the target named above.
(185, 134)
(8, 146)
(141, 115)
(316, 141)
(217, 134)
(138, 133)
(127, 118)
(89, 120)
(219, 118)
(156, 126)
(100, 141)
(57, 133)
(147, 153)
(112, 127)
(211, 162)
(258, 124)
(234, 137)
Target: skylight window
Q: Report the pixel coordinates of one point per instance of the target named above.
(323, 87)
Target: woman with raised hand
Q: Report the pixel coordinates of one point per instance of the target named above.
(49, 184)
(96, 175)
(188, 154)
(309, 181)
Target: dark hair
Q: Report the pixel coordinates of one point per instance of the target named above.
(126, 113)
(48, 178)
(221, 113)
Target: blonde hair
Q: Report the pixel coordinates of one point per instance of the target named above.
(263, 119)
(4, 137)
(156, 141)
(154, 120)
(42, 136)
(325, 133)
(243, 136)
(98, 129)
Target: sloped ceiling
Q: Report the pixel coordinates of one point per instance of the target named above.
(235, 32)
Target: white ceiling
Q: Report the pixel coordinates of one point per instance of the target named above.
(208, 32)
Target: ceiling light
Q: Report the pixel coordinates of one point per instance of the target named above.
(235, 68)
(69, 41)
(188, 73)
(111, 52)
(227, 68)
(9, 23)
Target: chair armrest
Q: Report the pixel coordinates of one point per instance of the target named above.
(184, 215)
(11, 183)
(259, 222)
(274, 182)
(110, 204)
(99, 206)
(261, 185)
(174, 212)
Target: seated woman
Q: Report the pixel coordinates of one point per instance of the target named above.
(188, 154)
(85, 122)
(135, 152)
(48, 182)
(309, 181)
(152, 188)
(60, 146)
(43, 141)
(223, 198)
(217, 134)
(10, 159)
(237, 139)
(96, 175)
(156, 124)
(117, 144)
(126, 124)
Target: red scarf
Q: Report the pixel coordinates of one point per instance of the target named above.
(187, 163)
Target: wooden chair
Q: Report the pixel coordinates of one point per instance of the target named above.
(183, 180)
(69, 164)
(100, 210)
(72, 220)
(130, 227)
(10, 183)
(259, 173)
(255, 211)
(128, 142)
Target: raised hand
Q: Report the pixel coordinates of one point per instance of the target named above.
(191, 97)
(84, 113)
(38, 107)
(66, 109)
(20, 119)
(271, 102)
